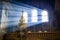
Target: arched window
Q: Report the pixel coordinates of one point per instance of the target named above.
(34, 15)
(44, 16)
(25, 17)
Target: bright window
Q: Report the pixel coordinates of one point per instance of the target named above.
(44, 16)
(34, 15)
(25, 17)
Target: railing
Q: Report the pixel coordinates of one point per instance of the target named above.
(39, 36)
(43, 36)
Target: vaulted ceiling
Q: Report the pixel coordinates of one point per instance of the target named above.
(36, 3)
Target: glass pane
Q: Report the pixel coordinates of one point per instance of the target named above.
(34, 15)
(25, 17)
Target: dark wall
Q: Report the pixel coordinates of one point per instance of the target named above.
(57, 12)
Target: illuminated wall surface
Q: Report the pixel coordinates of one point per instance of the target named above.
(10, 14)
